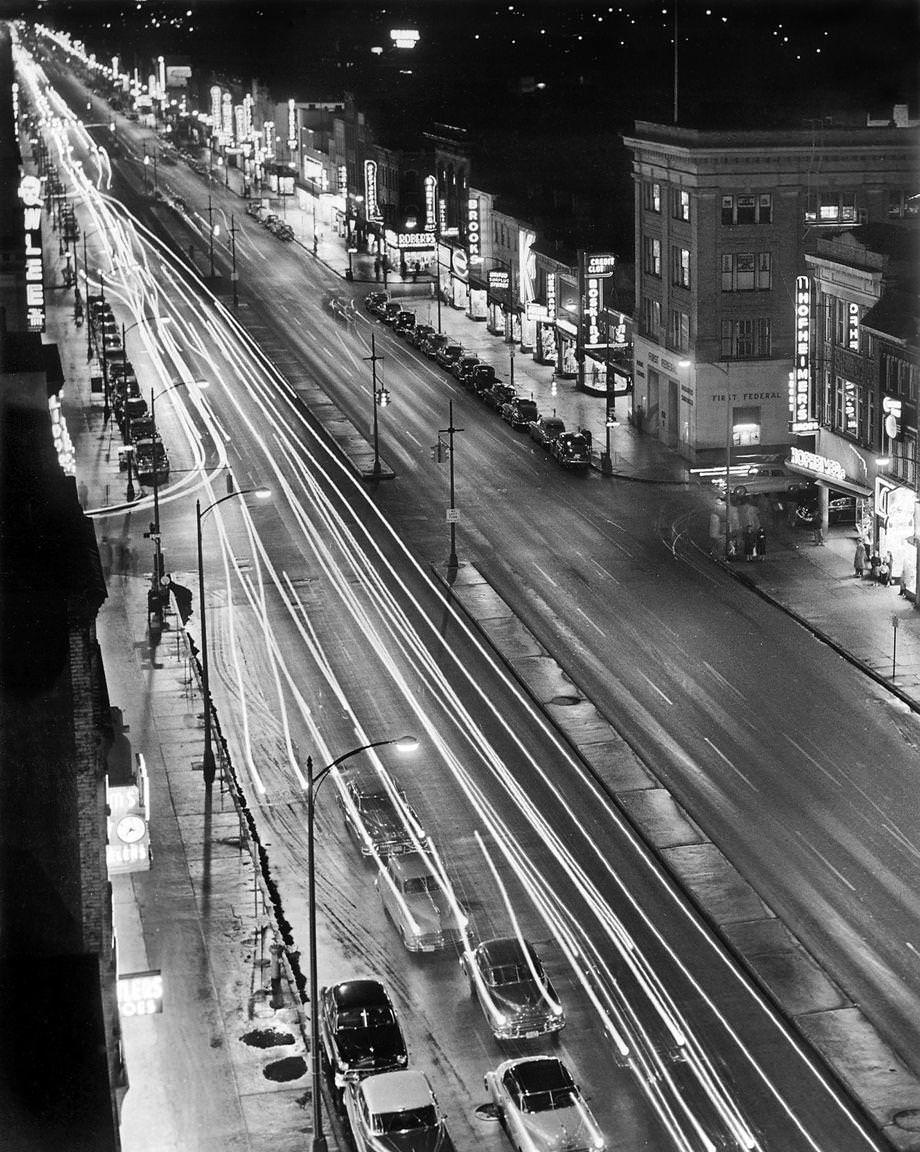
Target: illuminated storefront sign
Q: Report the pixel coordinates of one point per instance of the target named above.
(128, 835)
(239, 122)
(892, 410)
(414, 239)
(600, 266)
(499, 281)
(442, 214)
(536, 311)
(800, 386)
(247, 116)
(140, 993)
(215, 107)
(292, 125)
(269, 129)
(15, 91)
(850, 413)
(472, 229)
(430, 220)
(226, 116)
(592, 312)
(551, 295)
(343, 179)
(30, 192)
(371, 210)
(821, 466)
(853, 327)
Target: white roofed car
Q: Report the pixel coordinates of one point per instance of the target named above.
(395, 1112)
(542, 1107)
(417, 904)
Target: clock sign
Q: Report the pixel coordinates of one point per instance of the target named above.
(131, 828)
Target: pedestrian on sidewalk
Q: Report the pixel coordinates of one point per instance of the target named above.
(884, 573)
(859, 560)
(105, 556)
(761, 544)
(416, 268)
(750, 543)
(83, 494)
(377, 268)
(874, 562)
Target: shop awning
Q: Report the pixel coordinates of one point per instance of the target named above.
(838, 485)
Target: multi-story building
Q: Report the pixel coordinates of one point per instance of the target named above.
(856, 405)
(722, 223)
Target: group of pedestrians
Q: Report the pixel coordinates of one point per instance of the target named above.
(879, 567)
(753, 544)
(118, 557)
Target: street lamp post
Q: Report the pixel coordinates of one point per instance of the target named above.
(210, 231)
(208, 764)
(376, 402)
(405, 744)
(452, 561)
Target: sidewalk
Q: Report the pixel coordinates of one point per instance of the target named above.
(220, 1069)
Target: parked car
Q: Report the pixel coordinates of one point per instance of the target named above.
(389, 312)
(761, 478)
(149, 457)
(434, 343)
(571, 450)
(515, 994)
(420, 334)
(463, 366)
(395, 1112)
(448, 354)
(497, 395)
(359, 1031)
(417, 904)
(372, 299)
(374, 821)
(483, 377)
(519, 412)
(545, 429)
(404, 323)
(542, 1107)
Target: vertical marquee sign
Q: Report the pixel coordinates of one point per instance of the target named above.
(597, 268)
(430, 197)
(800, 389)
(30, 192)
(472, 229)
(371, 207)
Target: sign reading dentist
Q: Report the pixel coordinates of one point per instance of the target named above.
(30, 192)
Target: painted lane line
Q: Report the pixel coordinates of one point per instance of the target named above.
(827, 864)
(734, 769)
(590, 621)
(834, 779)
(652, 684)
(725, 683)
(606, 572)
(546, 576)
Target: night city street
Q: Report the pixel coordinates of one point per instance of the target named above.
(662, 730)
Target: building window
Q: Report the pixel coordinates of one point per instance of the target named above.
(680, 267)
(746, 426)
(652, 197)
(652, 251)
(679, 331)
(747, 339)
(745, 271)
(831, 207)
(839, 313)
(748, 209)
(680, 204)
(651, 317)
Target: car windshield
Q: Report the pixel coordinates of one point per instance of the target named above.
(549, 1101)
(420, 884)
(379, 1016)
(410, 1120)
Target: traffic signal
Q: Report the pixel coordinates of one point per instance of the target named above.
(183, 599)
(383, 397)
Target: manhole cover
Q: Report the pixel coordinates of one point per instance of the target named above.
(909, 1119)
(566, 700)
(267, 1038)
(290, 1068)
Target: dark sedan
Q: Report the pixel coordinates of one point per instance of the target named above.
(359, 1030)
(515, 994)
(448, 355)
(420, 334)
(375, 822)
(463, 367)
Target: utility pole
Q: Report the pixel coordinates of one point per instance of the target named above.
(89, 327)
(378, 400)
(234, 275)
(437, 244)
(580, 334)
(451, 511)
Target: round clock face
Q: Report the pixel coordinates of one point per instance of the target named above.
(131, 829)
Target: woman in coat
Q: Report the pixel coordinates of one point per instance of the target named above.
(859, 560)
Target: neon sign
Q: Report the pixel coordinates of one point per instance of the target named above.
(430, 186)
(853, 327)
(372, 210)
(812, 462)
(800, 385)
(472, 229)
(30, 192)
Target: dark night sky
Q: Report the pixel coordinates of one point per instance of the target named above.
(598, 61)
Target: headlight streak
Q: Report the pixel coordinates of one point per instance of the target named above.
(264, 370)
